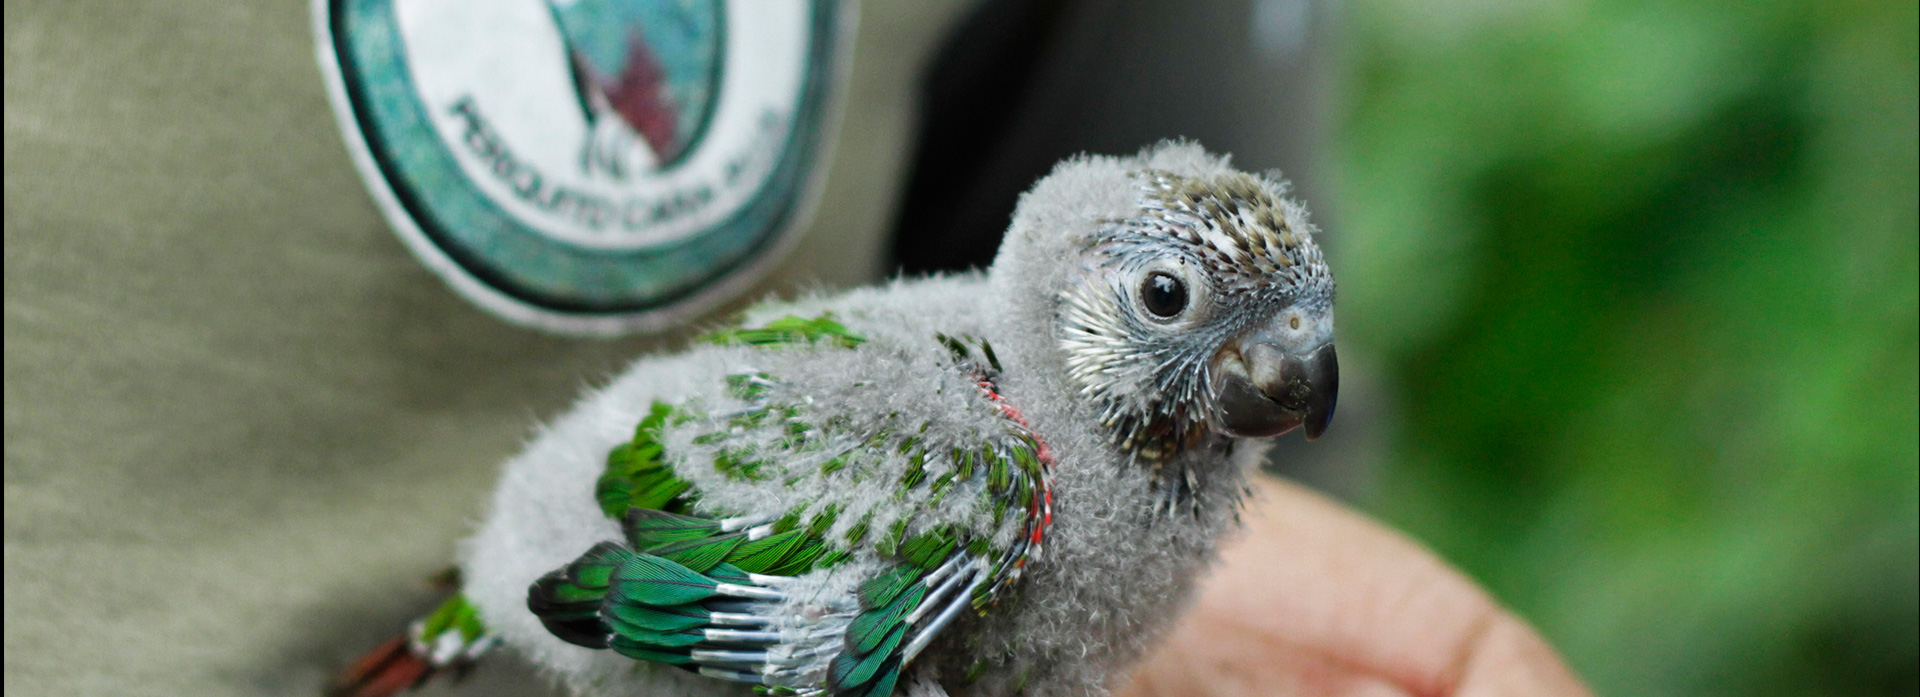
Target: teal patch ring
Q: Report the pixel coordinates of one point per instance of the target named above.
(517, 270)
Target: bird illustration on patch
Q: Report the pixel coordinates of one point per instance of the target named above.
(647, 75)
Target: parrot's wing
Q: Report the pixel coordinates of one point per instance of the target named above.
(716, 597)
(736, 597)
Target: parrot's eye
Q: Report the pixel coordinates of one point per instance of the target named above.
(1164, 295)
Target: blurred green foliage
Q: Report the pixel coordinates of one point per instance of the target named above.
(1641, 277)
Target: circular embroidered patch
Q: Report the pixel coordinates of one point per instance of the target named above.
(591, 166)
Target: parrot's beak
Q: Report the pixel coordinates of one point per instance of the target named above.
(1263, 390)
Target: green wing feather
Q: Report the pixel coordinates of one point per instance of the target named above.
(647, 527)
(788, 331)
(671, 572)
(869, 628)
(638, 477)
(852, 670)
(568, 600)
(685, 588)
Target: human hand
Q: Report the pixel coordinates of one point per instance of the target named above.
(1315, 600)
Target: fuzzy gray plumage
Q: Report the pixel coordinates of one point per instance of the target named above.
(1116, 566)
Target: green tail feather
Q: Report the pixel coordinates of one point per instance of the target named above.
(457, 614)
(568, 599)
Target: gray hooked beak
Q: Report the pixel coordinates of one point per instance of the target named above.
(1268, 390)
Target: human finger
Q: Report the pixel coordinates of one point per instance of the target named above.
(1316, 599)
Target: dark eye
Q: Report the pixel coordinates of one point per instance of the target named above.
(1164, 295)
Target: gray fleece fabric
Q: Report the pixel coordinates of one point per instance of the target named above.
(242, 422)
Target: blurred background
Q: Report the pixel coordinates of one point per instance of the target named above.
(1640, 281)
(1628, 290)
(1627, 311)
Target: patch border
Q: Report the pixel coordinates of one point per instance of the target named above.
(818, 111)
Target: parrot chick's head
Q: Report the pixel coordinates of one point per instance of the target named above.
(1182, 296)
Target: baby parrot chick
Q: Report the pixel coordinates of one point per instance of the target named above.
(982, 484)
